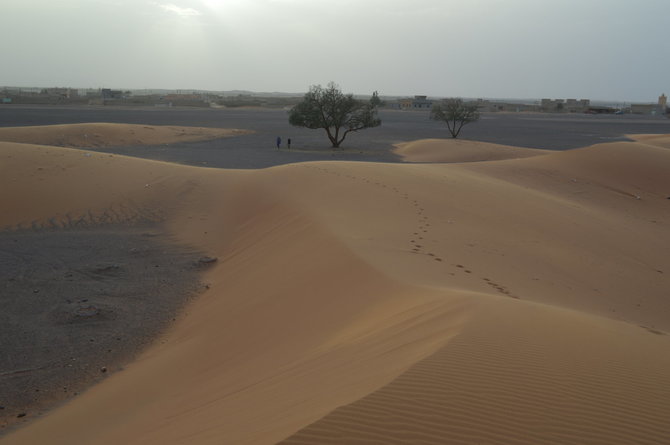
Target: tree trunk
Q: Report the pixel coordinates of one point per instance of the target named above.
(332, 139)
(452, 129)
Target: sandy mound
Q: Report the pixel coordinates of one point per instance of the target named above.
(459, 150)
(658, 140)
(517, 374)
(109, 135)
(520, 301)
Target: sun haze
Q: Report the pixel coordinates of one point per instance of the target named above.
(600, 49)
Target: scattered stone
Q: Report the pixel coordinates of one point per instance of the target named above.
(86, 311)
(206, 260)
(103, 369)
(103, 268)
(19, 415)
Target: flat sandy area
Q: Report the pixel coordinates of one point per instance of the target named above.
(459, 292)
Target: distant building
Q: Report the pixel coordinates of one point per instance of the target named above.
(577, 106)
(422, 102)
(663, 103)
(551, 106)
(644, 108)
(660, 107)
(417, 103)
(175, 97)
(65, 93)
(489, 106)
(108, 94)
(403, 104)
(565, 106)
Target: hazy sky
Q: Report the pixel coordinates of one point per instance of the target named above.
(596, 49)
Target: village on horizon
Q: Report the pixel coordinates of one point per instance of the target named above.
(238, 98)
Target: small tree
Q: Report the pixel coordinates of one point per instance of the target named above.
(455, 113)
(339, 114)
(376, 101)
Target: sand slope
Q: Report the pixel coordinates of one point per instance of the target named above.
(109, 135)
(460, 150)
(518, 374)
(658, 140)
(516, 301)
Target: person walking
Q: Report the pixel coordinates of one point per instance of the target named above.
(278, 142)
(288, 143)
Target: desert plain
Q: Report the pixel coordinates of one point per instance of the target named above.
(441, 292)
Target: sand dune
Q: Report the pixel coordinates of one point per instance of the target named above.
(460, 150)
(506, 301)
(659, 140)
(518, 374)
(109, 135)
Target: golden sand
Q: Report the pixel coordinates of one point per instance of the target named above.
(109, 135)
(516, 301)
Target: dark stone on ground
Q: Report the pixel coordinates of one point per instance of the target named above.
(98, 306)
(207, 260)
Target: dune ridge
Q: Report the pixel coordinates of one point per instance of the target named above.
(110, 135)
(460, 150)
(561, 378)
(516, 301)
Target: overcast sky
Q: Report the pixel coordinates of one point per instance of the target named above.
(595, 49)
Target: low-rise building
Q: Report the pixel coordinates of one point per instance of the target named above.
(564, 106)
(660, 107)
(108, 93)
(416, 103)
(422, 103)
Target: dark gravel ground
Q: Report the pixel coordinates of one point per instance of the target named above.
(78, 303)
(547, 131)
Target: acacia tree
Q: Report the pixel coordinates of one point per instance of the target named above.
(455, 113)
(339, 114)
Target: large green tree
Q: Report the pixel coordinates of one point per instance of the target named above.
(455, 113)
(339, 114)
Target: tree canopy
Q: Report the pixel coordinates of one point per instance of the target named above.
(339, 114)
(455, 113)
